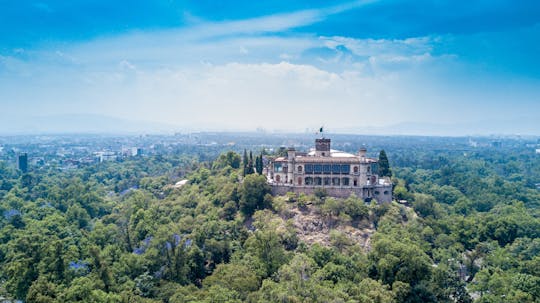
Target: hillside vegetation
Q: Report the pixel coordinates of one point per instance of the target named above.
(119, 232)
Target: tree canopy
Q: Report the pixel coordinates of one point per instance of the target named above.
(123, 232)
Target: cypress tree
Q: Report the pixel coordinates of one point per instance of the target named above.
(244, 163)
(250, 169)
(257, 164)
(384, 165)
(261, 165)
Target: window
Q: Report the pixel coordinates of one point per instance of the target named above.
(355, 169)
(317, 168)
(336, 168)
(299, 180)
(309, 168)
(309, 181)
(386, 192)
(345, 181)
(327, 168)
(323, 154)
(355, 182)
(335, 181)
(345, 168)
(327, 181)
(277, 167)
(278, 178)
(318, 181)
(377, 192)
(299, 168)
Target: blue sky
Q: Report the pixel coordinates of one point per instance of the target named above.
(279, 65)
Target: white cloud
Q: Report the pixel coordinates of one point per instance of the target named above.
(245, 96)
(370, 47)
(245, 80)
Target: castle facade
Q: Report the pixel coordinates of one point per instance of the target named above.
(340, 174)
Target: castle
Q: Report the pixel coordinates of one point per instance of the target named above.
(340, 174)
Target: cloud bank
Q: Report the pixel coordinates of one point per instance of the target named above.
(269, 72)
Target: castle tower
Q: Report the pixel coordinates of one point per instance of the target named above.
(322, 147)
(291, 153)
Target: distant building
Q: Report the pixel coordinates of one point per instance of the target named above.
(339, 174)
(496, 144)
(22, 162)
(105, 156)
(132, 151)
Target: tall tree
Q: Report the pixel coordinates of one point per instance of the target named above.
(245, 163)
(250, 169)
(252, 194)
(384, 165)
(259, 164)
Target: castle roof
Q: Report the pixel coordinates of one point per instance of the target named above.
(336, 156)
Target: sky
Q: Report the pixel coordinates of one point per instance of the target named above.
(352, 66)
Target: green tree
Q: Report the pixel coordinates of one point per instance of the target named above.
(230, 158)
(384, 165)
(398, 261)
(245, 164)
(42, 291)
(250, 168)
(265, 245)
(252, 194)
(236, 277)
(259, 164)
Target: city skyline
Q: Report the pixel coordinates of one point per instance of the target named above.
(350, 65)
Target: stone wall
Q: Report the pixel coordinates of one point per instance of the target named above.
(338, 192)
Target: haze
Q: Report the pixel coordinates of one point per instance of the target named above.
(382, 67)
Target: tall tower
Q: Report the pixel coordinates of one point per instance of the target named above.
(322, 147)
(22, 162)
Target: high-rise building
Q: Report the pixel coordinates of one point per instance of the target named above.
(22, 162)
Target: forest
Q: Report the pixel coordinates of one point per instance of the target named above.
(464, 227)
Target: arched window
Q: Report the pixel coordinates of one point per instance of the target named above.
(355, 169)
(355, 182)
(299, 168)
(327, 181)
(299, 180)
(278, 178)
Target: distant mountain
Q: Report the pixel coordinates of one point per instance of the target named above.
(80, 123)
(100, 124)
(521, 126)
